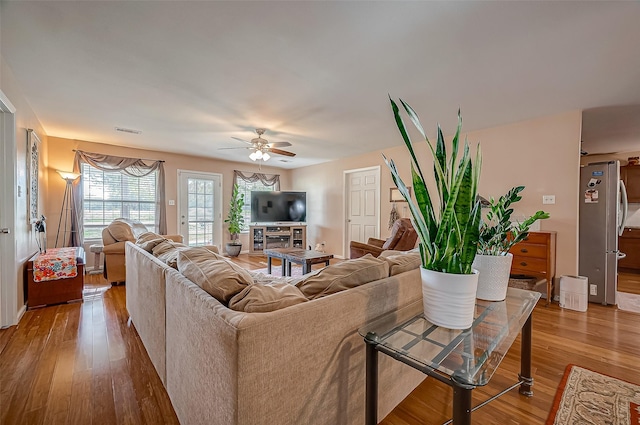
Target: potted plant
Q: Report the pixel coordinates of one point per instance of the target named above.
(448, 224)
(235, 218)
(498, 233)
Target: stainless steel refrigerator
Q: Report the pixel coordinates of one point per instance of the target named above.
(603, 210)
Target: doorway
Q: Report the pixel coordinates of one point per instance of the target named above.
(362, 205)
(200, 208)
(8, 286)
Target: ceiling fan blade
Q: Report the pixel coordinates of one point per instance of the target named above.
(241, 140)
(279, 144)
(281, 152)
(242, 147)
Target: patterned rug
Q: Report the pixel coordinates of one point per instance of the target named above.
(296, 271)
(586, 397)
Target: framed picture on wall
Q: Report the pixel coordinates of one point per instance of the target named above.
(33, 161)
(396, 196)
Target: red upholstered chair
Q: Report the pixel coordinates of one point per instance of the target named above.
(403, 238)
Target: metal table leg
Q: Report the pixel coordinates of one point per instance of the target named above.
(462, 404)
(284, 267)
(289, 268)
(371, 399)
(268, 264)
(525, 359)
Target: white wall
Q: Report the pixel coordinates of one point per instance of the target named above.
(542, 154)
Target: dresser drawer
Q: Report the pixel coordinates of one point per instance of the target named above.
(526, 265)
(526, 249)
(539, 238)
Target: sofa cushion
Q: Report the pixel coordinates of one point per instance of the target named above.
(401, 261)
(120, 230)
(167, 252)
(149, 240)
(218, 277)
(345, 275)
(265, 298)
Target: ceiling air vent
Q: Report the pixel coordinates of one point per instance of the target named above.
(128, 130)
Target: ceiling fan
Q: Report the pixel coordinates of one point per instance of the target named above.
(261, 148)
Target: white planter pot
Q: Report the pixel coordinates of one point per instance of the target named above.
(494, 276)
(449, 299)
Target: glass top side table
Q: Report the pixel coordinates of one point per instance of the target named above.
(463, 359)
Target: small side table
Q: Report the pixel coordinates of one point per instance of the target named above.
(97, 250)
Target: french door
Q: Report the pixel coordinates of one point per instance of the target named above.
(200, 208)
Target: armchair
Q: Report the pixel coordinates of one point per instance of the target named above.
(403, 238)
(114, 237)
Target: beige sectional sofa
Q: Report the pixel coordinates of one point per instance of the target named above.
(303, 364)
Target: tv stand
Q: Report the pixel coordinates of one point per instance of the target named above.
(276, 235)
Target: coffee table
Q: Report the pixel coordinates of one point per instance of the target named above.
(298, 256)
(462, 359)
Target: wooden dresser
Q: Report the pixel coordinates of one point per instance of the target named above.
(536, 256)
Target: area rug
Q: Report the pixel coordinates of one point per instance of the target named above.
(628, 302)
(586, 397)
(277, 271)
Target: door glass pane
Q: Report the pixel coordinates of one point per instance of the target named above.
(200, 203)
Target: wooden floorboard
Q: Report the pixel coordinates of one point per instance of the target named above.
(82, 363)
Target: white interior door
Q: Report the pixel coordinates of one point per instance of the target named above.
(362, 202)
(8, 287)
(200, 208)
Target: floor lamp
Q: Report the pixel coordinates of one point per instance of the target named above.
(68, 206)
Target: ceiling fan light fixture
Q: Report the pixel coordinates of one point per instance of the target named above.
(258, 154)
(253, 156)
(266, 156)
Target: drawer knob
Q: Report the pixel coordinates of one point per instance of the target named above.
(524, 250)
(523, 264)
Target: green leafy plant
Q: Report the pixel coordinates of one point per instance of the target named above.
(449, 233)
(498, 233)
(235, 218)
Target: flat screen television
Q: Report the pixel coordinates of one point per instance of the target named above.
(267, 207)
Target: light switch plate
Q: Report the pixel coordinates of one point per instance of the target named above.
(172, 202)
(548, 199)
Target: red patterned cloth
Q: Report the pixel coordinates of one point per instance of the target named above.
(55, 263)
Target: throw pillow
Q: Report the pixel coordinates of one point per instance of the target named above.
(167, 252)
(403, 262)
(265, 298)
(149, 240)
(218, 277)
(345, 275)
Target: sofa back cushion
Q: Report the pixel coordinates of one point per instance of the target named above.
(265, 298)
(120, 230)
(215, 275)
(149, 240)
(401, 261)
(345, 275)
(167, 252)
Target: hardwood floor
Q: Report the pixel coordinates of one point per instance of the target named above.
(82, 364)
(629, 282)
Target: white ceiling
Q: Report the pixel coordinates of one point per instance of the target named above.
(190, 75)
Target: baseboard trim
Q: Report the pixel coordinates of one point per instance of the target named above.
(21, 312)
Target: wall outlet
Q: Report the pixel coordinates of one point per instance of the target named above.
(548, 199)
(593, 289)
(172, 202)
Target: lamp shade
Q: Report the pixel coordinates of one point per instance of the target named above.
(68, 175)
(266, 156)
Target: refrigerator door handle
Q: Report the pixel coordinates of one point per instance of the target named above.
(625, 207)
(621, 255)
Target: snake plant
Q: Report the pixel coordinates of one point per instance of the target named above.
(498, 233)
(448, 225)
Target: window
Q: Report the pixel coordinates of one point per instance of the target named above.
(246, 188)
(109, 195)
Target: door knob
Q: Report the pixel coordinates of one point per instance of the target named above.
(5, 230)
